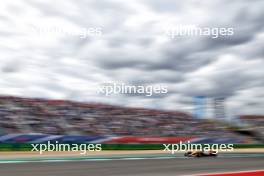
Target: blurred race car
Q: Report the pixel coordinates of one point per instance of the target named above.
(200, 154)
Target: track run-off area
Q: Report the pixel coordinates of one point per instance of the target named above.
(128, 165)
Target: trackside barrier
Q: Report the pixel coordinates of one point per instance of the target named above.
(41, 138)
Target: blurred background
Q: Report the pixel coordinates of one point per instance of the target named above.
(55, 56)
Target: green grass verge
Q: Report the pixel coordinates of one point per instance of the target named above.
(28, 147)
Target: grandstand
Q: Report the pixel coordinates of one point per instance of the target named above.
(59, 117)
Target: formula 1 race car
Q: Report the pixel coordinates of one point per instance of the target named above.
(200, 154)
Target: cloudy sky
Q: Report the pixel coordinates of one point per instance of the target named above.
(129, 44)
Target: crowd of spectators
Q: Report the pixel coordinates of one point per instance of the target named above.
(25, 115)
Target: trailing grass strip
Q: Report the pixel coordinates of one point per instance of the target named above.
(28, 147)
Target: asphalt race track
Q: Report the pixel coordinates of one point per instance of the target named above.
(141, 167)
